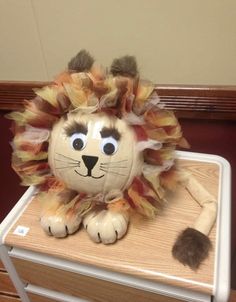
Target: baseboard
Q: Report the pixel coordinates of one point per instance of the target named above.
(200, 102)
(12, 94)
(197, 102)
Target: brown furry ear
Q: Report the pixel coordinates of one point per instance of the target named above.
(191, 248)
(124, 66)
(83, 61)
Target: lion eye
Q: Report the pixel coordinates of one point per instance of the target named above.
(109, 145)
(78, 141)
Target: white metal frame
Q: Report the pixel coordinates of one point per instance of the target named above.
(51, 294)
(5, 226)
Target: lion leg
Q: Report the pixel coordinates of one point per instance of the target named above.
(193, 244)
(60, 216)
(106, 226)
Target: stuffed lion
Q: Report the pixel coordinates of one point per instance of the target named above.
(99, 145)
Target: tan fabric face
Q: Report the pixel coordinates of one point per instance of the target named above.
(90, 169)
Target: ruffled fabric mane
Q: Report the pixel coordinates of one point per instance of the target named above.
(127, 98)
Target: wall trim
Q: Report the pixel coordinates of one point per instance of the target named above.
(198, 102)
(12, 94)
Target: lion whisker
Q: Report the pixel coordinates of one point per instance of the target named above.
(66, 161)
(112, 172)
(72, 159)
(113, 167)
(67, 167)
(115, 162)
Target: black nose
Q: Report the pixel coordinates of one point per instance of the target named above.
(89, 161)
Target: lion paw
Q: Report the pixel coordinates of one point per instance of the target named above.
(106, 226)
(59, 226)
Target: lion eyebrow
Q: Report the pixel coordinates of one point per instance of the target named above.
(106, 132)
(76, 127)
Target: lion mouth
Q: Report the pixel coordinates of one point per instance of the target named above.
(89, 162)
(89, 175)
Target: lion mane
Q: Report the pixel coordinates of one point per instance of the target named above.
(119, 92)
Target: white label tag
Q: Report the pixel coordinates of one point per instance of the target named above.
(21, 230)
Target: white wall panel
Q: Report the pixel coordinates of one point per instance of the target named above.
(187, 41)
(21, 55)
(181, 42)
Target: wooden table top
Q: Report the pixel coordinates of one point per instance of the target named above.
(146, 249)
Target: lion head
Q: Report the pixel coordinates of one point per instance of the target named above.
(97, 132)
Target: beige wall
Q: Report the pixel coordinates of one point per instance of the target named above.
(175, 41)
